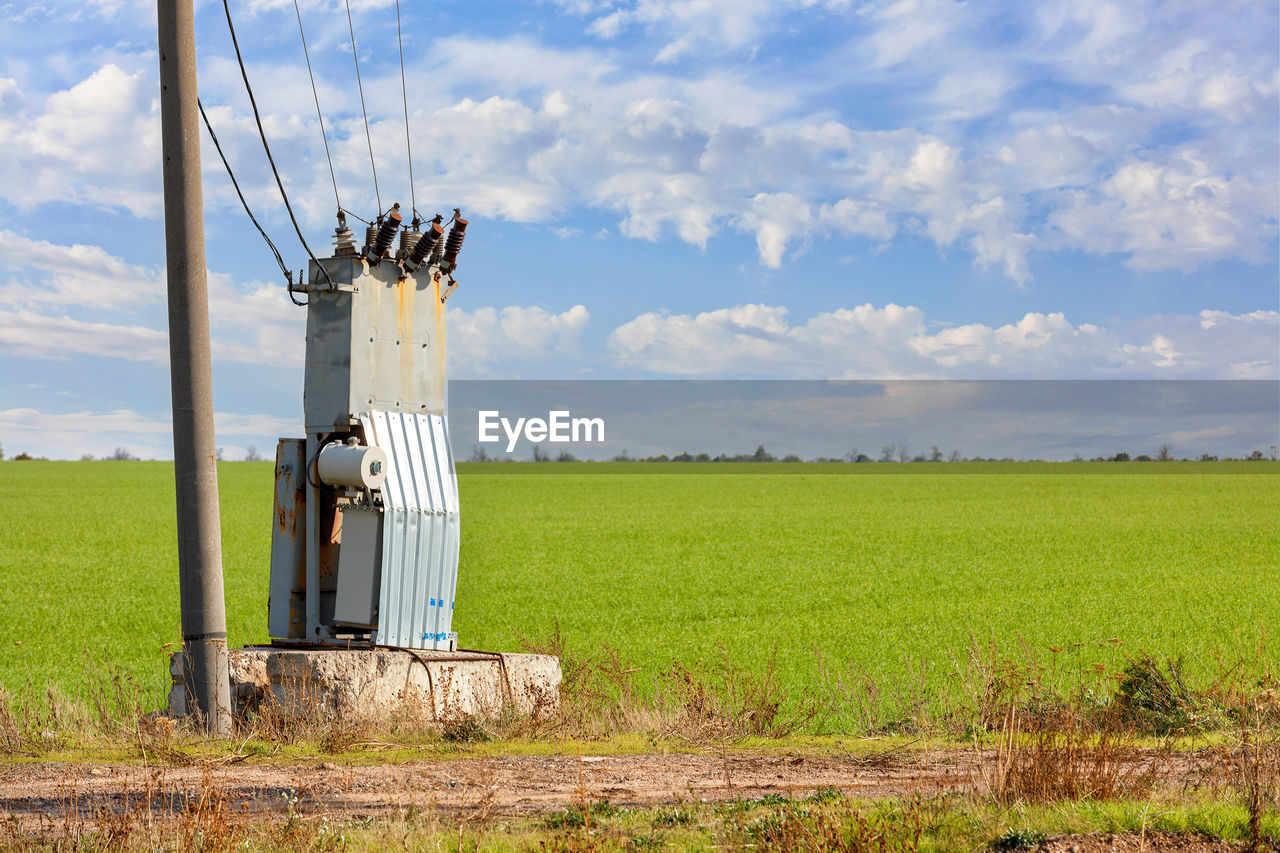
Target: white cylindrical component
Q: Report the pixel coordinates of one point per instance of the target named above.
(352, 465)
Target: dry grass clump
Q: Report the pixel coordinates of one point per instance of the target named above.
(37, 719)
(160, 817)
(1069, 756)
(824, 823)
(1095, 743)
(602, 695)
(1248, 692)
(1043, 727)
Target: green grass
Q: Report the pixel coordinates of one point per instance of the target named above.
(884, 565)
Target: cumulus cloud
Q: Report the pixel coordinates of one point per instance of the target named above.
(37, 335)
(1097, 164)
(1178, 214)
(77, 274)
(72, 434)
(66, 300)
(255, 323)
(897, 342)
(776, 219)
(97, 142)
(63, 301)
(510, 341)
(953, 143)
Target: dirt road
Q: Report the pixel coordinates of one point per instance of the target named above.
(511, 785)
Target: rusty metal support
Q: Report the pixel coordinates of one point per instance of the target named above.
(204, 621)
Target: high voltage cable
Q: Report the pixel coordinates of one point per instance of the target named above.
(352, 29)
(316, 96)
(279, 260)
(404, 93)
(267, 148)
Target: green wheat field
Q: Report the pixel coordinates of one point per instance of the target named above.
(882, 566)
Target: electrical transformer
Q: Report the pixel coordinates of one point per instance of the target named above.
(364, 546)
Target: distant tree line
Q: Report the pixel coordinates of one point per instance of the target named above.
(889, 453)
(122, 454)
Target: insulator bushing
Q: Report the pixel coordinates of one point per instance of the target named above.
(370, 237)
(344, 242)
(386, 233)
(453, 244)
(408, 239)
(429, 240)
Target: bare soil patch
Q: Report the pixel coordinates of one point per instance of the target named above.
(513, 785)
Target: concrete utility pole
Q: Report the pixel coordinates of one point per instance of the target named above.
(204, 618)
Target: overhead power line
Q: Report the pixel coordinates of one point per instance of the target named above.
(266, 147)
(279, 260)
(307, 56)
(360, 85)
(404, 93)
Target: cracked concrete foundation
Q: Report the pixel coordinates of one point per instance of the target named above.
(438, 686)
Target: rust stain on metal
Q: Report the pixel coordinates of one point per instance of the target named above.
(288, 521)
(439, 309)
(335, 533)
(404, 325)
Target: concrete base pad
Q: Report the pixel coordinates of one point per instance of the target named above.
(374, 683)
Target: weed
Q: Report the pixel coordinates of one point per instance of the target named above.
(647, 841)
(771, 800)
(1251, 754)
(838, 826)
(1018, 839)
(1070, 757)
(575, 816)
(1155, 700)
(464, 730)
(673, 816)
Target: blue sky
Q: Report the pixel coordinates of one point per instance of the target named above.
(658, 188)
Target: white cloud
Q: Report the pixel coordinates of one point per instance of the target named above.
(1045, 157)
(858, 217)
(96, 143)
(510, 341)
(331, 7)
(776, 219)
(687, 26)
(956, 204)
(255, 324)
(77, 11)
(54, 287)
(69, 435)
(896, 342)
(716, 140)
(906, 30)
(712, 343)
(251, 323)
(81, 275)
(35, 335)
(1178, 214)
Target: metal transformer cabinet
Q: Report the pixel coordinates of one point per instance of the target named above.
(368, 555)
